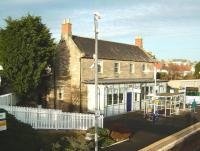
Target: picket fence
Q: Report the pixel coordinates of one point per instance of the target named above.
(8, 99)
(40, 118)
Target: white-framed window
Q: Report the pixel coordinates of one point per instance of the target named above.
(115, 96)
(144, 68)
(131, 68)
(151, 89)
(60, 93)
(100, 66)
(136, 97)
(116, 67)
(109, 96)
(121, 95)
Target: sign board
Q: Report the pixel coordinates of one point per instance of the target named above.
(156, 101)
(172, 91)
(137, 90)
(182, 90)
(3, 121)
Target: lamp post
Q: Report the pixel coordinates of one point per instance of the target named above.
(155, 87)
(97, 113)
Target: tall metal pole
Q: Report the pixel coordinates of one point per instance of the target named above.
(155, 87)
(155, 79)
(54, 79)
(97, 114)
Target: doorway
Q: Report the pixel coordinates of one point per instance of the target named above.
(129, 101)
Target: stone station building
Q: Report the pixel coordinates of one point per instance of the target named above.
(125, 74)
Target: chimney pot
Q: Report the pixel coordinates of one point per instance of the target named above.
(139, 42)
(66, 29)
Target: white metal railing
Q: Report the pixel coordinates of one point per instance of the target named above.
(8, 99)
(40, 118)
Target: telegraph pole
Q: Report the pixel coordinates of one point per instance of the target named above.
(97, 113)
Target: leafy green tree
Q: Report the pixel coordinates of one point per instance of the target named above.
(26, 49)
(197, 70)
(189, 76)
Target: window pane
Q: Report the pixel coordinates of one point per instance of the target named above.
(151, 89)
(142, 93)
(121, 96)
(143, 67)
(60, 94)
(115, 96)
(109, 97)
(116, 67)
(131, 68)
(135, 96)
(147, 90)
(99, 68)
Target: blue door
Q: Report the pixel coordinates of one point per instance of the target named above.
(129, 101)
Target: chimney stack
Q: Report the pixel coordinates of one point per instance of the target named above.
(66, 29)
(139, 42)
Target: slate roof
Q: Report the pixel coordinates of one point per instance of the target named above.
(168, 94)
(123, 81)
(111, 50)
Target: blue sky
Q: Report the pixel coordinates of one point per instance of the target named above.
(170, 28)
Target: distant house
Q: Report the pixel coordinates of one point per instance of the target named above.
(183, 68)
(161, 68)
(125, 75)
(181, 62)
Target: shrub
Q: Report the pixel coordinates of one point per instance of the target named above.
(104, 136)
(105, 141)
(101, 131)
(73, 144)
(78, 142)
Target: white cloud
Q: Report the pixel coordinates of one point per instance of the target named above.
(25, 1)
(155, 20)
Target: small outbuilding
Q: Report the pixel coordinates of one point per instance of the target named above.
(165, 104)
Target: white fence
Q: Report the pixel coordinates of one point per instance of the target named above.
(40, 118)
(8, 99)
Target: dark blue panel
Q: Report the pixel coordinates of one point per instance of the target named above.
(129, 101)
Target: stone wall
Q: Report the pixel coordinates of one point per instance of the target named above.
(108, 69)
(72, 69)
(87, 73)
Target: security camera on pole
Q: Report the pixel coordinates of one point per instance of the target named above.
(97, 113)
